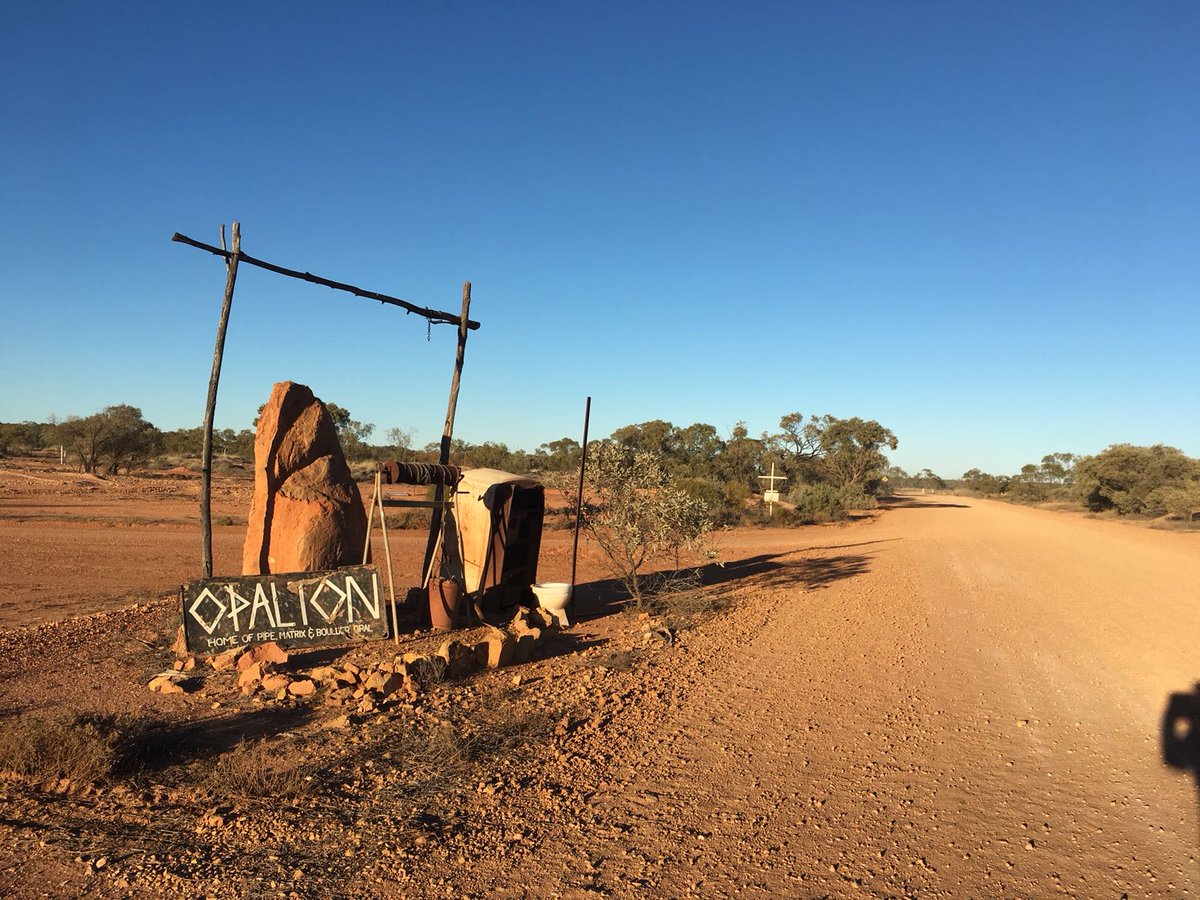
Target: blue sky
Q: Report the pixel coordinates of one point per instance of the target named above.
(976, 224)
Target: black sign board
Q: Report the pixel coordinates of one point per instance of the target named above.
(296, 609)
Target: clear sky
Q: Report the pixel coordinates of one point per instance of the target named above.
(978, 224)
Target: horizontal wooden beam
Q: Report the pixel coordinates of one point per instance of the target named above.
(433, 315)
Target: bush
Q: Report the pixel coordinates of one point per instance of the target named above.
(724, 503)
(1175, 502)
(83, 748)
(1136, 480)
(639, 515)
(252, 769)
(825, 502)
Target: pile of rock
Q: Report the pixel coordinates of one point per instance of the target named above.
(367, 689)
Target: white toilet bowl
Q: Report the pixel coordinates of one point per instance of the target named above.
(553, 596)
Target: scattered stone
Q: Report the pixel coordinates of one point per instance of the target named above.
(524, 647)
(250, 676)
(307, 514)
(226, 660)
(166, 683)
(522, 620)
(274, 683)
(460, 659)
(179, 647)
(385, 683)
(323, 673)
(269, 652)
(303, 687)
(496, 650)
(339, 722)
(265, 654)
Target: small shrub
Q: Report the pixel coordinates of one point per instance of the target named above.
(1181, 503)
(84, 748)
(827, 503)
(639, 515)
(408, 519)
(252, 769)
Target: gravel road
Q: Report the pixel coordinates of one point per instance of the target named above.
(963, 699)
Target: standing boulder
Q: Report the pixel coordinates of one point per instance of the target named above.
(307, 514)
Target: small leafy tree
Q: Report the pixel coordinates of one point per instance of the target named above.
(927, 478)
(118, 437)
(843, 452)
(636, 516)
(399, 439)
(982, 483)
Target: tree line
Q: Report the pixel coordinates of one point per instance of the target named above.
(830, 465)
(1132, 480)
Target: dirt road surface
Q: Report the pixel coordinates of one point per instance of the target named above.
(955, 698)
(962, 699)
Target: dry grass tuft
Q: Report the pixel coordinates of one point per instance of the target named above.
(83, 748)
(253, 770)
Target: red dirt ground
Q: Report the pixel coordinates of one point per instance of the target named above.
(953, 698)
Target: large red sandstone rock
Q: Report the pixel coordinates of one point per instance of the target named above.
(307, 514)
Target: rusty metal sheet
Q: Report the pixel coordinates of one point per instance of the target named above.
(294, 609)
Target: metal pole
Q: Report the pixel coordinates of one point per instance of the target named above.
(231, 267)
(587, 417)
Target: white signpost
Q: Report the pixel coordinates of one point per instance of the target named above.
(770, 493)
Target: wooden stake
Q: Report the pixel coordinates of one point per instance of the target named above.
(371, 520)
(231, 267)
(433, 315)
(435, 520)
(387, 554)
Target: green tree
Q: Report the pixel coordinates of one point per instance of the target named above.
(115, 438)
(697, 449)
(184, 441)
(741, 462)
(853, 450)
(1057, 468)
(399, 439)
(1135, 480)
(558, 456)
(982, 483)
(930, 480)
(656, 437)
(24, 436)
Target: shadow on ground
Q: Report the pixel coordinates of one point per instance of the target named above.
(162, 744)
(766, 570)
(917, 503)
(1180, 737)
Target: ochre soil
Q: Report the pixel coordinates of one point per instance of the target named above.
(953, 697)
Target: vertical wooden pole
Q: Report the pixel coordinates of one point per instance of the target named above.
(435, 520)
(231, 267)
